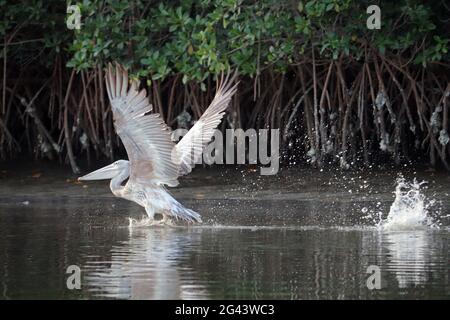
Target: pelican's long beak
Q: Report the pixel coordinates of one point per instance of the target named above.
(107, 172)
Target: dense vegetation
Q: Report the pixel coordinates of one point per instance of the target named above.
(339, 92)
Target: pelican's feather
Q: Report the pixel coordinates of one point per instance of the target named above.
(145, 136)
(190, 148)
(154, 158)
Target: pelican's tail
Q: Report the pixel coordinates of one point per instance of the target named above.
(178, 211)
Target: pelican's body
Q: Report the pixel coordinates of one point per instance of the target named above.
(154, 160)
(154, 198)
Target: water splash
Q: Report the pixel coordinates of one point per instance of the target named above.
(146, 222)
(410, 209)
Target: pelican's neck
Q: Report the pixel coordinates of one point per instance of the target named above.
(116, 182)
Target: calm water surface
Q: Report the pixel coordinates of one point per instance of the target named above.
(300, 235)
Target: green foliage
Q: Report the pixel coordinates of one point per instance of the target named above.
(200, 38)
(34, 30)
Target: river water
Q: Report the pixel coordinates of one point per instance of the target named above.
(303, 234)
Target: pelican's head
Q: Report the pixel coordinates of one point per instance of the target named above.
(108, 172)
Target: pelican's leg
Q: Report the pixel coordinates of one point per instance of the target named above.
(150, 212)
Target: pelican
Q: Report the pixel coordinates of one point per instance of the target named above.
(154, 160)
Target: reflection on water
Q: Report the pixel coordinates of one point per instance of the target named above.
(254, 262)
(412, 257)
(279, 245)
(146, 266)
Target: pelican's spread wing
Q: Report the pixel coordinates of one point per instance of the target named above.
(190, 148)
(145, 136)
